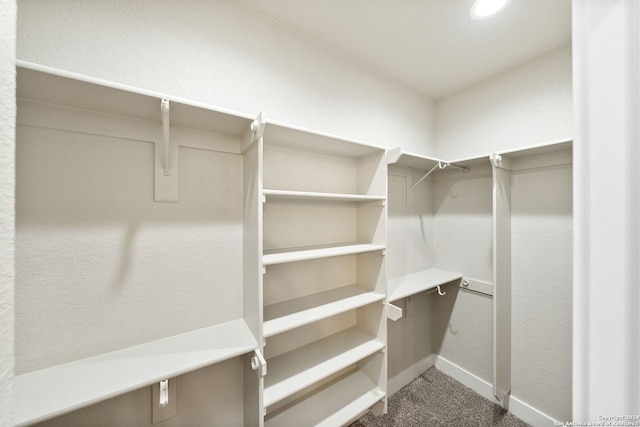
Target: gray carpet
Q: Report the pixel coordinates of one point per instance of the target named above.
(435, 399)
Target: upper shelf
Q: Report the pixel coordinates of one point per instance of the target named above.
(418, 161)
(53, 86)
(44, 394)
(411, 284)
(298, 139)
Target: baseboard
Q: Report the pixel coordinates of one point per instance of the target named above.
(411, 373)
(517, 407)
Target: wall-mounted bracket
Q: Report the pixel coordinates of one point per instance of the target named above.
(393, 312)
(166, 136)
(166, 171)
(163, 403)
(498, 161)
(259, 364)
(255, 133)
(477, 286)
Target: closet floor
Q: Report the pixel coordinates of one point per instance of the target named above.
(435, 399)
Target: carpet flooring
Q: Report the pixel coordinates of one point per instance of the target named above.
(435, 399)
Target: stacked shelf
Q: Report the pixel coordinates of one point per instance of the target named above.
(324, 241)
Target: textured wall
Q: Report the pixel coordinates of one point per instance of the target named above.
(527, 105)
(410, 247)
(100, 265)
(226, 55)
(7, 217)
(542, 255)
(462, 223)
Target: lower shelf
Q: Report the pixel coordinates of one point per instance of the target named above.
(44, 394)
(411, 284)
(296, 370)
(338, 404)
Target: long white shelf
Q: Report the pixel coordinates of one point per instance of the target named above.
(310, 195)
(46, 393)
(300, 368)
(404, 286)
(338, 404)
(291, 314)
(280, 256)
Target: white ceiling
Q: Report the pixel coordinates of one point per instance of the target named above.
(432, 46)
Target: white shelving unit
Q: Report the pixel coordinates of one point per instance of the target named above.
(60, 101)
(71, 386)
(324, 236)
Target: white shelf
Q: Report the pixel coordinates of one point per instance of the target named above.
(287, 315)
(300, 368)
(412, 160)
(298, 139)
(338, 404)
(285, 194)
(280, 256)
(54, 391)
(50, 85)
(404, 286)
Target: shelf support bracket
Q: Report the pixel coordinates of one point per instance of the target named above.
(393, 312)
(439, 165)
(166, 136)
(255, 133)
(166, 171)
(259, 364)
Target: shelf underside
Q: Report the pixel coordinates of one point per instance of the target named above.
(294, 371)
(281, 256)
(43, 394)
(287, 315)
(337, 404)
(310, 195)
(411, 284)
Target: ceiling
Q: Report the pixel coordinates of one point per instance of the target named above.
(432, 46)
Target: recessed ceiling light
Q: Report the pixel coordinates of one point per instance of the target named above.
(482, 9)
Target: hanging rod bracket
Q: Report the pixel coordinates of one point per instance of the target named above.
(439, 165)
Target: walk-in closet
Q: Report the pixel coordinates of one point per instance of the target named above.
(250, 213)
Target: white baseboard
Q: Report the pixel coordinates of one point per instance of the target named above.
(517, 407)
(411, 373)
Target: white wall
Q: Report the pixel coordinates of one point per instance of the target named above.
(223, 54)
(607, 209)
(463, 222)
(541, 289)
(527, 105)
(7, 217)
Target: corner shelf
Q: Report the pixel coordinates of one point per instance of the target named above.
(411, 284)
(294, 371)
(281, 256)
(291, 314)
(338, 404)
(91, 380)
